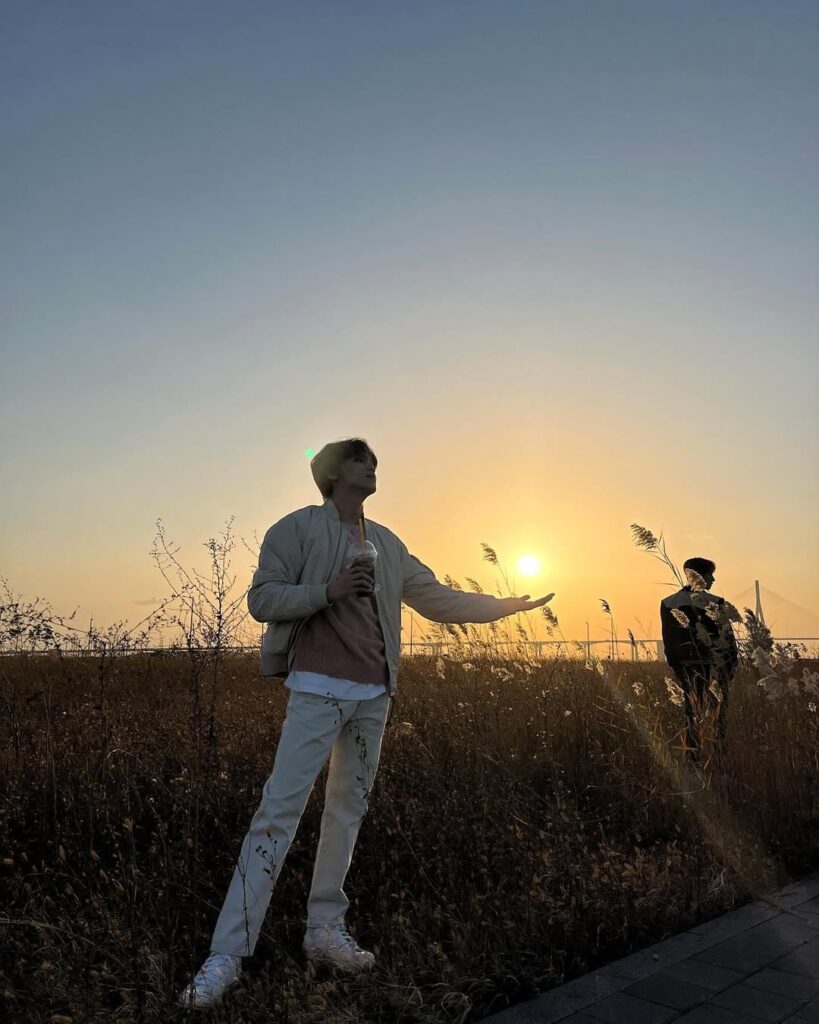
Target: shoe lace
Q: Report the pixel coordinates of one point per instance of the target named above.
(343, 937)
(215, 966)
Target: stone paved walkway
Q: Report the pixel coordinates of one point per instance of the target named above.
(758, 963)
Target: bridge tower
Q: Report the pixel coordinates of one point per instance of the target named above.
(759, 613)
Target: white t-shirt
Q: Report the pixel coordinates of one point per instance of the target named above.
(327, 686)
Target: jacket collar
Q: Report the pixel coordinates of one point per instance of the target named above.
(332, 512)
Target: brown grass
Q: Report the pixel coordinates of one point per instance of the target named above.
(525, 831)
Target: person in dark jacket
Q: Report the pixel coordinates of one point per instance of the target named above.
(701, 651)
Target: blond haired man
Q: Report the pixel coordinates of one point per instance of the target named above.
(333, 619)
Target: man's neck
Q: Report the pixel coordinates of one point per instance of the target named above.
(350, 508)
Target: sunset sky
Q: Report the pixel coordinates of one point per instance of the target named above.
(555, 261)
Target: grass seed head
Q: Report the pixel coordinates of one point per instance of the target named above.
(643, 538)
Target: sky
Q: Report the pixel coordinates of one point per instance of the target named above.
(555, 261)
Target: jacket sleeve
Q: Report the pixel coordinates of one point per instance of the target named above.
(728, 644)
(731, 651)
(671, 638)
(274, 594)
(439, 603)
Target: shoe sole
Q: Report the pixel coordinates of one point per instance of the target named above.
(319, 960)
(187, 1005)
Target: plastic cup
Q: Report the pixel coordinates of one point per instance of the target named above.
(368, 557)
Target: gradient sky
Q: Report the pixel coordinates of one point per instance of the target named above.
(556, 261)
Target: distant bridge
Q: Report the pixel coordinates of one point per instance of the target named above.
(775, 607)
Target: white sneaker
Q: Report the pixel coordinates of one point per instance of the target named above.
(332, 944)
(217, 974)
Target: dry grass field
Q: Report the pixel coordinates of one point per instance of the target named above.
(528, 823)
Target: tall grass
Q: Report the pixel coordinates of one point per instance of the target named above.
(530, 820)
(527, 824)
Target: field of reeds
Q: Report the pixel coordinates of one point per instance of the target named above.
(529, 822)
(531, 819)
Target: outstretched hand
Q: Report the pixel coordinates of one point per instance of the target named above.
(512, 605)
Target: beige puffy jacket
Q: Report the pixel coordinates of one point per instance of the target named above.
(303, 553)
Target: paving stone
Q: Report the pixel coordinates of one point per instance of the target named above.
(802, 961)
(772, 980)
(801, 892)
(698, 972)
(769, 1006)
(745, 957)
(619, 1008)
(561, 1002)
(578, 1018)
(809, 1013)
(785, 927)
(775, 946)
(753, 939)
(665, 989)
(736, 921)
(715, 1015)
(806, 912)
(647, 961)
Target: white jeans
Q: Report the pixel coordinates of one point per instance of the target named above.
(314, 726)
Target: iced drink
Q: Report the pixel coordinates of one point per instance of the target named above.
(367, 558)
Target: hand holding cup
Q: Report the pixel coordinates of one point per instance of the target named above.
(357, 578)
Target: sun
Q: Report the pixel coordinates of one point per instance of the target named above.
(529, 565)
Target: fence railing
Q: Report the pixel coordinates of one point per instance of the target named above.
(640, 650)
(645, 650)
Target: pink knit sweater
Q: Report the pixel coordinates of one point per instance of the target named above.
(344, 640)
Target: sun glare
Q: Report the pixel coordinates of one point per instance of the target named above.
(529, 565)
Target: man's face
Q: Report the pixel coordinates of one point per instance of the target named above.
(358, 473)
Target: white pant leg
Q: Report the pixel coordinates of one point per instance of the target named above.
(311, 726)
(353, 765)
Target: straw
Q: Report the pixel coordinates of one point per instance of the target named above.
(361, 533)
